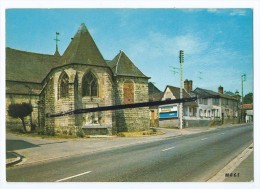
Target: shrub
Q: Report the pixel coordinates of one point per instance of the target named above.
(80, 133)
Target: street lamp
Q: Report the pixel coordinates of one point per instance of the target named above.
(243, 78)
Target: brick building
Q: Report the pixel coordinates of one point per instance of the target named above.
(80, 78)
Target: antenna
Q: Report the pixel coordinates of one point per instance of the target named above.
(174, 70)
(200, 75)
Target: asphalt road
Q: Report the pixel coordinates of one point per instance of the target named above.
(191, 158)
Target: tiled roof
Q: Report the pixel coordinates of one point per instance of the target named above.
(176, 92)
(27, 66)
(82, 49)
(121, 65)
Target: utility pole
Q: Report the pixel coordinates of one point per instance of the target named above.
(181, 57)
(243, 78)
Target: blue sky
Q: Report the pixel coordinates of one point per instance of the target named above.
(217, 43)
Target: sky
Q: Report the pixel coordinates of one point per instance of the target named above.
(217, 43)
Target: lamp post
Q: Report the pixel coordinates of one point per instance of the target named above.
(243, 78)
(181, 57)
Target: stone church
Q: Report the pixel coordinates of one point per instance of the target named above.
(80, 78)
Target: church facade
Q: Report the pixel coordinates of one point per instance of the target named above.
(80, 78)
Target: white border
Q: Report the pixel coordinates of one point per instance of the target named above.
(255, 4)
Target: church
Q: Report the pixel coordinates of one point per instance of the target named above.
(80, 78)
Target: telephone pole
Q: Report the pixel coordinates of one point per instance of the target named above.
(181, 57)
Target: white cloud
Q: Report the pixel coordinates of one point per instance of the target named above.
(238, 12)
(231, 12)
(159, 45)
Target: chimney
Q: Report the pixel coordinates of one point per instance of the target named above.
(186, 85)
(220, 89)
(190, 86)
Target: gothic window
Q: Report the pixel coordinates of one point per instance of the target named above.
(89, 85)
(128, 89)
(64, 86)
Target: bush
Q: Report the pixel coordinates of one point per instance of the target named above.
(20, 111)
(80, 133)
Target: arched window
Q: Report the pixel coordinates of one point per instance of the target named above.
(128, 89)
(89, 85)
(64, 85)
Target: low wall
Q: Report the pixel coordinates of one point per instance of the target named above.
(95, 130)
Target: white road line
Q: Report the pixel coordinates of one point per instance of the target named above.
(204, 139)
(73, 176)
(168, 149)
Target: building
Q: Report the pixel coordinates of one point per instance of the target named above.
(169, 114)
(80, 78)
(217, 107)
(154, 95)
(211, 108)
(248, 112)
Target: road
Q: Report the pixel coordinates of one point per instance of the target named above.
(191, 158)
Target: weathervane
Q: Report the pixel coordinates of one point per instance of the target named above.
(56, 39)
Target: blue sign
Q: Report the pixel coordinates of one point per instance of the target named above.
(168, 114)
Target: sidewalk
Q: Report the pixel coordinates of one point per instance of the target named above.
(34, 149)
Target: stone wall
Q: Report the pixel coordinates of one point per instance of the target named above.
(136, 119)
(75, 100)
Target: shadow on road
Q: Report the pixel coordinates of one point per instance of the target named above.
(18, 145)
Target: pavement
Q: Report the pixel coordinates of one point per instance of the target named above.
(23, 150)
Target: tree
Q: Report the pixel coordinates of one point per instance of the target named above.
(20, 111)
(248, 98)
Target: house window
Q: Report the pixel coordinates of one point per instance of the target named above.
(89, 85)
(128, 89)
(215, 101)
(205, 101)
(64, 86)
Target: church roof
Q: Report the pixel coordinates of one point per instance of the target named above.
(82, 49)
(121, 65)
(27, 66)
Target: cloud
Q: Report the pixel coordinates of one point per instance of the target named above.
(238, 12)
(227, 11)
(160, 45)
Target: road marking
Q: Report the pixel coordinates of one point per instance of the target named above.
(204, 139)
(168, 149)
(73, 176)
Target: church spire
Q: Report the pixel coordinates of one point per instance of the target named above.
(57, 49)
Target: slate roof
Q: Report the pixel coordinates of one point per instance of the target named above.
(23, 88)
(176, 92)
(204, 93)
(152, 88)
(82, 49)
(27, 66)
(121, 65)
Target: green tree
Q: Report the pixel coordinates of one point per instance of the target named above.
(248, 98)
(20, 111)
